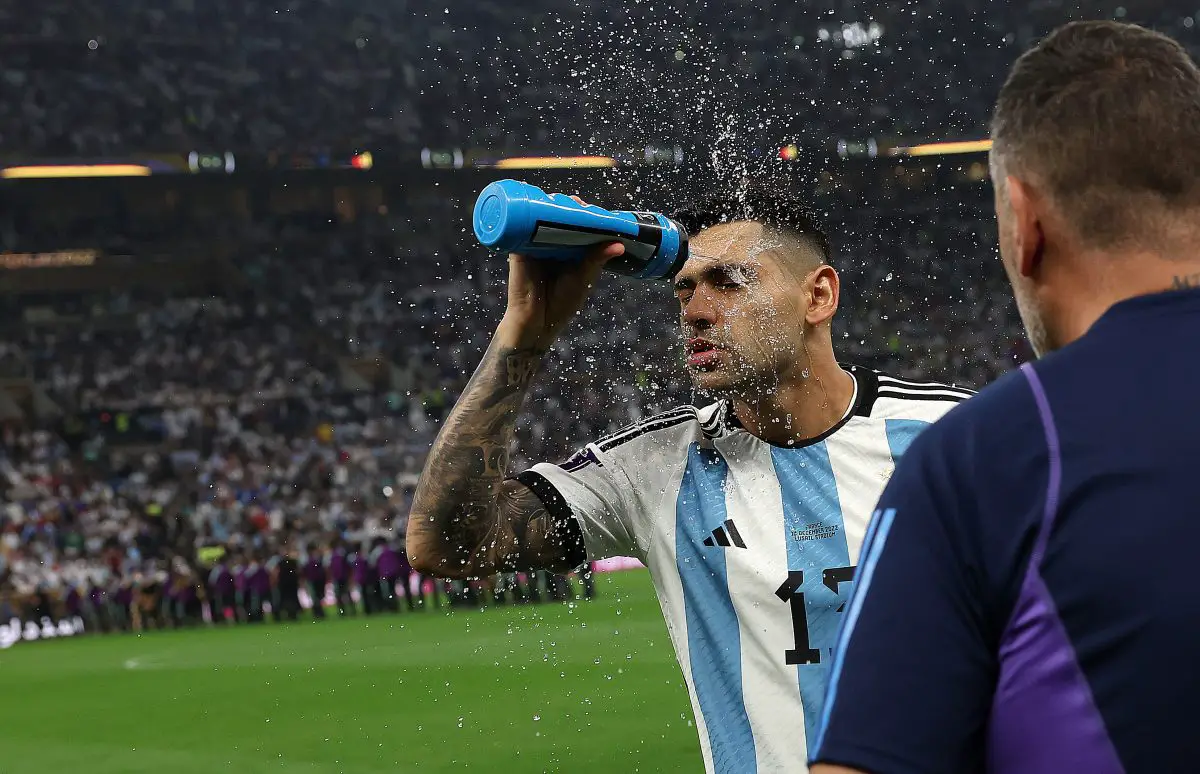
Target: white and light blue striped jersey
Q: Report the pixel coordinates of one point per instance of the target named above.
(752, 549)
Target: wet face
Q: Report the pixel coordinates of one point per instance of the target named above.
(743, 304)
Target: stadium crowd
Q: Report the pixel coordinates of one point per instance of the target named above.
(283, 418)
(255, 77)
(268, 453)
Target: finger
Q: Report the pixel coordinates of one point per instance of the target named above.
(605, 252)
(596, 259)
(580, 201)
(518, 268)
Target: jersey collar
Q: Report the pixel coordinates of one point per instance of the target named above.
(866, 388)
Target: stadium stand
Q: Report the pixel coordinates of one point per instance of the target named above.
(336, 73)
(281, 403)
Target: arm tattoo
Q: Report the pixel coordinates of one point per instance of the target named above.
(466, 520)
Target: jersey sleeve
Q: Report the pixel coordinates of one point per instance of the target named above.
(912, 679)
(615, 489)
(590, 490)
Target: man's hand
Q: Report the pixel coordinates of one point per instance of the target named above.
(467, 520)
(543, 295)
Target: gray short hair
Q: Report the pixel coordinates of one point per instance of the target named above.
(1106, 116)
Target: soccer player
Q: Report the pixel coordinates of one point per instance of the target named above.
(316, 578)
(387, 564)
(285, 580)
(1027, 599)
(340, 569)
(221, 592)
(258, 586)
(749, 512)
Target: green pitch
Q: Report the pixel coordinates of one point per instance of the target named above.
(581, 688)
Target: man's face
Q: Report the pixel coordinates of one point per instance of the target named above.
(742, 311)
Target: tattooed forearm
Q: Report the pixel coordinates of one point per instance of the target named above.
(458, 525)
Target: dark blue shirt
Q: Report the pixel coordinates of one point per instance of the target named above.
(1027, 598)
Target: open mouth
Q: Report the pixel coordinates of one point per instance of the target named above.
(702, 354)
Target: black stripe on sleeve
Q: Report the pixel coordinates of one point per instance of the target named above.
(884, 385)
(662, 422)
(888, 384)
(884, 393)
(565, 526)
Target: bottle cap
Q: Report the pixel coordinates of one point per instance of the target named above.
(501, 217)
(491, 212)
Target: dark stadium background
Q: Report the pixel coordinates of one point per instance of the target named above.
(240, 292)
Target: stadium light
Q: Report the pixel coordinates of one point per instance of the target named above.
(75, 170)
(555, 162)
(944, 148)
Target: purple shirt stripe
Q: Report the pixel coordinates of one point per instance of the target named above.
(1044, 717)
(1054, 455)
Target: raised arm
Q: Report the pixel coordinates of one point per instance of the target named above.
(467, 519)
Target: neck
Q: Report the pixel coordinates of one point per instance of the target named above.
(801, 408)
(1119, 280)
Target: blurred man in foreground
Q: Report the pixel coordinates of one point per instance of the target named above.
(749, 512)
(1027, 600)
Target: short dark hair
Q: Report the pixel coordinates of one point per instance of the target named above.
(1106, 116)
(775, 208)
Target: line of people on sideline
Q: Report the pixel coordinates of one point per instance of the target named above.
(226, 585)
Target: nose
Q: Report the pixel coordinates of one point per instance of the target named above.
(701, 312)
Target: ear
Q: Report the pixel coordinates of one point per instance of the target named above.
(824, 291)
(1029, 238)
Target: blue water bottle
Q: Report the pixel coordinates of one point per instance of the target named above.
(515, 217)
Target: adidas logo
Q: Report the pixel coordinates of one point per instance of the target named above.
(723, 535)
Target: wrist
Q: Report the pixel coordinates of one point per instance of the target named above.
(514, 334)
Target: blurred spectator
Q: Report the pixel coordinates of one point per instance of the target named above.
(256, 77)
(283, 417)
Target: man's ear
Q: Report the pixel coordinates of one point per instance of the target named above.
(1029, 238)
(824, 290)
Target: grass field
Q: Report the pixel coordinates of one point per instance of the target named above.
(581, 688)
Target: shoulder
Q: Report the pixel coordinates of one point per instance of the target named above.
(687, 417)
(980, 477)
(991, 447)
(663, 431)
(1005, 409)
(883, 396)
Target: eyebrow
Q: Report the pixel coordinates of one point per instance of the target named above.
(724, 269)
